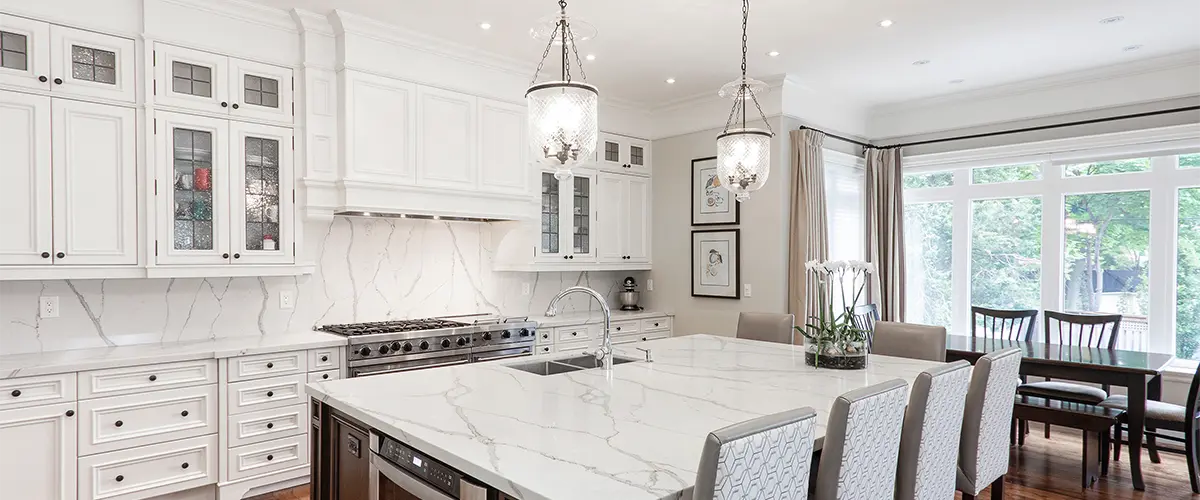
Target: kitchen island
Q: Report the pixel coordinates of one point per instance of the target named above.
(633, 433)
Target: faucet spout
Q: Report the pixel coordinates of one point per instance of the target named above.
(605, 353)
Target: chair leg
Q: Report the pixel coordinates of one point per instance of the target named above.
(1047, 431)
(1105, 438)
(1193, 461)
(998, 489)
(1117, 443)
(1091, 457)
(1022, 430)
(1152, 445)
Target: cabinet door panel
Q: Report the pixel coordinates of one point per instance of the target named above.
(38, 456)
(637, 220)
(95, 184)
(92, 64)
(446, 144)
(24, 52)
(261, 193)
(190, 79)
(193, 189)
(639, 155)
(611, 151)
(550, 223)
(610, 246)
(580, 208)
(502, 148)
(379, 132)
(25, 182)
(260, 91)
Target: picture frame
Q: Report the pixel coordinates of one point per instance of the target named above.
(712, 204)
(717, 263)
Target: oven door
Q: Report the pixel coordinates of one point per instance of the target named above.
(414, 364)
(389, 482)
(502, 353)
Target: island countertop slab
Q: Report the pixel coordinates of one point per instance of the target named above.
(633, 433)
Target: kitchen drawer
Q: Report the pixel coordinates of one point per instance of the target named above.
(325, 375)
(259, 426)
(544, 349)
(121, 422)
(134, 379)
(545, 336)
(33, 391)
(571, 347)
(264, 458)
(254, 395)
(652, 336)
(149, 471)
(324, 359)
(267, 365)
(578, 332)
(663, 323)
(623, 327)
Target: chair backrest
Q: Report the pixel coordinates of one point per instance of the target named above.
(907, 340)
(864, 317)
(932, 429)
(1004, 324)
(1193, 401)
(983, 449)
(769, 327)
(1082, 330)
(767, 457)
(862, 443)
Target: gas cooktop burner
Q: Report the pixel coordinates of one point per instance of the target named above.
(396, 326)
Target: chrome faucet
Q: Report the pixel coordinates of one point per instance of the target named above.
(605, 354)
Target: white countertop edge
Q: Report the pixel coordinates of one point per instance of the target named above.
(588, 317)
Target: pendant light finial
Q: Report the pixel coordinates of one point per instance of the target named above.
(563, 125)
(744, 153)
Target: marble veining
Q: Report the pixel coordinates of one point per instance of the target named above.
(634, 433)
(367, 270)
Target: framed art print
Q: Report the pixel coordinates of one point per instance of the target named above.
(716, 263)
(711, 202)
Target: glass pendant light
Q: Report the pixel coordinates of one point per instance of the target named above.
(562, 113)
(744, 153)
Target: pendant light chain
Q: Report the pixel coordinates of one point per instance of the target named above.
(563, 34)
(545, 55)
(745, 21)
(744, 92)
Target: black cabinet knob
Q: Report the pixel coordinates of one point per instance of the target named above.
(237, 255)
(43, 79)
(16, 393)
(45, 255)
(565, 257)
(270, 393)
(655, 324)
(270, 457)
(325, 376)
(224, 256)
(574, 334)
(58, 81)
(153, 378)
(120, 423)
(70, 413)
(545, 335)
(235, 106)
(270, 365)
(571, 257)
(644, 339)
(183, 413)
(270, 425)
(224, 104)
(324, 358)
(120, 478)
(618, 328)
(185, 465)
(60, 255)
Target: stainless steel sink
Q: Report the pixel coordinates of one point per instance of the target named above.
(556, 366)
(590, 361)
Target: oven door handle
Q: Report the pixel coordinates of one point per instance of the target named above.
(404, 480)
(503, 356)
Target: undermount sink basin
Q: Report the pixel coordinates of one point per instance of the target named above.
(589, 361)
(554, 367)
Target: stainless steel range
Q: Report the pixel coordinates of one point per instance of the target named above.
(402, 345)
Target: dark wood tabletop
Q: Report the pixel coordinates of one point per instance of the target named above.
(1114, 360)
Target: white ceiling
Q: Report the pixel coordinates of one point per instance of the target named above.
(833, 47)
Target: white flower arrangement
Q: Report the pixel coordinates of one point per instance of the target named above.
(832, 332)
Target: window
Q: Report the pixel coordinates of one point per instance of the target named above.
(1106, 240)
(93, 65)
(1006, 253)
(13, 51)
(1107, 167)
(928, 245)
(1006, 173)
(1187, 277)
(1189, 161)
(928, 180)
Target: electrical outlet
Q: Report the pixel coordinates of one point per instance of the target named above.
(649, 285)
(746, 291)
(287, 299)
(525, 288)
(48, 307)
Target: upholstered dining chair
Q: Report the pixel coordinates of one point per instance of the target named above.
(1003, 323)
(767, 327)
(907, 340)
(862, 443)
(1093, 331)
(987, 417)
(1167, 416)
(767, 457)
(864, 317)
(932, 429)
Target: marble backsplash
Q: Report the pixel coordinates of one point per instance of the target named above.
(367, 270)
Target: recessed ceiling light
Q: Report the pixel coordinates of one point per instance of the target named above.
(591, 57)
(485, 26)
(1131, 48)
(956, 81)
(670, 80)
(885, 23)
(773, 53)
(921, 62)
(1113, 19)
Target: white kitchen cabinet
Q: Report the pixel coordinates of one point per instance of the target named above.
(260, 91)
(26, 230)
(192, 186)
(619, 153)
(24, 52)
(446, 139)
(95, 183)
(90, 64)
(196, 80)
(378, 129)
(567, 218)
(623, 219)
(261, 194)
(38, 452)
(503, 148)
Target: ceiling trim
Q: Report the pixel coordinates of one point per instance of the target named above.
(311, 22)
(244, 11)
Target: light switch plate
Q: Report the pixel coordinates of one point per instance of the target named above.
(649, 285)
(525, 288)
(47, 307)
(746, 291)
(287, 299)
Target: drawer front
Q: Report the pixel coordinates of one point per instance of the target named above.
(544, 349)
(268, 457)
(578, 332)
(545, 336)
(267, 365)
(134, 379)
(259, 426)
(571, 347)
(32, 391)
(121, 422)
(324, 359)
(652, 336)
(663, 323)
(623, 327)
(325, 375)
(254, 395)
(149, 471)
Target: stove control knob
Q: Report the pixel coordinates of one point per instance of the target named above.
(506, 334)
(396, 347)
(487, 336)
(462, 341)
(365, 351)
(407, 347)
(383, 349)
(424, 345)
(525, 332)
(445, 343)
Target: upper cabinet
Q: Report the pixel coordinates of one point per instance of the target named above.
(618, 153)
(40, 56)
(623, 217)
(194, 80)
(567, 218)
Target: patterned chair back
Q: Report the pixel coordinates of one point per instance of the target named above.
(932, 428)
(766, 458)
(983, 449)
(862, 444)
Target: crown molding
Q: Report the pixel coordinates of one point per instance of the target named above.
(311, 22)
(244, 11)
(774, 83)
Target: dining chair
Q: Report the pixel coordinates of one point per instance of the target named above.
(908, 340)
(767, 457)
(1171, 417)
(864, 317)
(862, 443)
(1016, 325)
(767, 327)
(932, 429)
(1085, 331)
(987, 417)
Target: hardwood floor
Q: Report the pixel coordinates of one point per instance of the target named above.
(1044, 469)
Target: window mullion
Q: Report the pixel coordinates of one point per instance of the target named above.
(1164, 219)
(1052, 238)
(960, 284)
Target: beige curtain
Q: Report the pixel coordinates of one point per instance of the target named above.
(885, 230)
(809, 233)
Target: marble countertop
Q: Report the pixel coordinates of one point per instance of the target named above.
(633, 433)
(579, 318)
(51, 362)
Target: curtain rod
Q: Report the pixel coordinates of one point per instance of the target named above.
(1012, 131)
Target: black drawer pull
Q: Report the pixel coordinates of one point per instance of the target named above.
(58, 81)
(618, 328)
(270, 457)
(60, 255)
(45, 255)
(224, 104)
(153, 378)
(224, 256)
(16, 393)
(185, 465)
(120, 423)
(325, 376)
(643, 339)
(270, 393)
(120, 478)
(270, 425)
(183, 413)
(574, 334)
(43, 79)
(324, 358)
(656, 324)
(235, 106)
(70, 413)
(270, 365)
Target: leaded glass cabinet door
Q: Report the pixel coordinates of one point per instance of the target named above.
(260, 91)
(24, 52)
(91, 64)
(261, 194)
(190, 79)
(192, 184)
(580, 208)
(550, 220)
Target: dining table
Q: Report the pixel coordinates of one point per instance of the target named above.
(1139, 372)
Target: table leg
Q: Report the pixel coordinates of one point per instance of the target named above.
(1153, 393)
(1137, 426)
(1091, 458)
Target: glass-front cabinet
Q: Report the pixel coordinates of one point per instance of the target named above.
(261, 194)
(195, 80)
(623, 154)
(567, 217)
